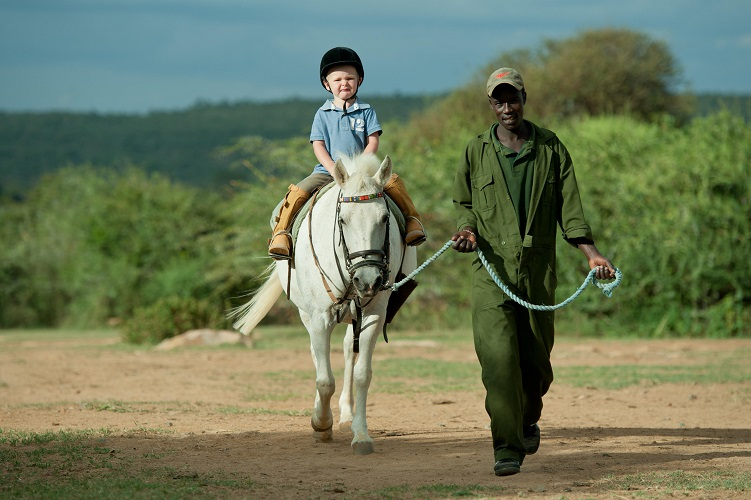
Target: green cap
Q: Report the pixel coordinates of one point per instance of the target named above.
(505, 75)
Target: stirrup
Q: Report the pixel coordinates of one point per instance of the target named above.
(278, 256)
(419, 240)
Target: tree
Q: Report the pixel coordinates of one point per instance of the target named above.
(607, 71)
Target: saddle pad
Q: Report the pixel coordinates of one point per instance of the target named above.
(300, 217)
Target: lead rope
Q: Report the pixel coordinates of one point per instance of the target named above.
(607, 288)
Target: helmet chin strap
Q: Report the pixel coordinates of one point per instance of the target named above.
(344, 106)
(344, 102)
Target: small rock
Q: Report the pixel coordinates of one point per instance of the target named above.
(204, 337)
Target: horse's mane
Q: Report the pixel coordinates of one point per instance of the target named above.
(361, 167)
(366, 163)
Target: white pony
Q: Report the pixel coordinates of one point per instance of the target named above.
(347, 255)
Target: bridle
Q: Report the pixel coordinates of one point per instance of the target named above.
(382, 264)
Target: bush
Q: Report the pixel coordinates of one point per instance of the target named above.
(92, 244)
(169, 317)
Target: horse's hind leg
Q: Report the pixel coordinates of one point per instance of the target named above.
(345, 400)
(322, 420)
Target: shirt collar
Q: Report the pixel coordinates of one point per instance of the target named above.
(328, 105)
(500, 148)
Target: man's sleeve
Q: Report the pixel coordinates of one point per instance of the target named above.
(462, 194)
(570, 213)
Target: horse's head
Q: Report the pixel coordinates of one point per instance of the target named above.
(363, 219)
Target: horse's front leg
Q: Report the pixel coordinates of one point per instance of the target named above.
(320, 330)
(346, 403)
(362, 443)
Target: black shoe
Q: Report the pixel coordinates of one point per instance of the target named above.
(506, 467)
(531, 438)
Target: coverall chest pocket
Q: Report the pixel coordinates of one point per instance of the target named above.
(483, 192)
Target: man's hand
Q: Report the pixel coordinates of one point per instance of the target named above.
(465, 241)
(605, 268)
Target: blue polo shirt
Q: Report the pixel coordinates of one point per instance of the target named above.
(344, 134)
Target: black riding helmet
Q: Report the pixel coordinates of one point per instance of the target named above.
(339, 56)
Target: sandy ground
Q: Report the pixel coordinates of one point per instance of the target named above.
(245, 413)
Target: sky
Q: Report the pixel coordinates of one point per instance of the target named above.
(137, 56)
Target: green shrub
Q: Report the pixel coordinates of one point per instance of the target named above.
(169, 317)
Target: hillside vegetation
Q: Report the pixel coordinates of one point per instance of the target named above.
(182, 145)
(668, 196)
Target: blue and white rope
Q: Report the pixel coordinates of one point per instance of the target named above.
(607, 288)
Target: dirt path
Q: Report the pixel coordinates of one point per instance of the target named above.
(243, 412)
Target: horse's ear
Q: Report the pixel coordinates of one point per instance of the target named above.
(340, 173)
(384, 172)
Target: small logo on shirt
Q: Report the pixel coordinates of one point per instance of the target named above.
(357, 124)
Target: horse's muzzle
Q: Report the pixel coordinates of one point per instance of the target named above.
(367, 286)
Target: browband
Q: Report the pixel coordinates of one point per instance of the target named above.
(364, 197)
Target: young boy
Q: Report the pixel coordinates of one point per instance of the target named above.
(344, 125)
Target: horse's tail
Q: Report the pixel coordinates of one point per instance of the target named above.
(250, 314)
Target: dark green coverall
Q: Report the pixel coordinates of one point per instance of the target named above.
(513, 344)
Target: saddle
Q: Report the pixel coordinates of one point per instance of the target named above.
(300, 216)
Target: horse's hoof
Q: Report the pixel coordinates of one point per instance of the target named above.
(345, 426)
(323, 436)
(363, 447)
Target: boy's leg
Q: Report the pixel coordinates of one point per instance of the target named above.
(280, 244)
(397, 191)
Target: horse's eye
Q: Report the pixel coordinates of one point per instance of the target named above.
(385, 219)
(342, 221)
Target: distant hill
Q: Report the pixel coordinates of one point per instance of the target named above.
(179, 144)
(711, 103)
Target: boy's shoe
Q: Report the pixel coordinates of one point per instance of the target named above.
(506, 467)
(415, 232)
(531, 438)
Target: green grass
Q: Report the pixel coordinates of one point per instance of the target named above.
(438, 491)
(677, 482)
(234, 410)
(619, 377)
(15, 437)
(78, 464)
(119, 483)
(413, 375)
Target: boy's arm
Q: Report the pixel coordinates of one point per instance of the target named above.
(323, 156)
(373, 140)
